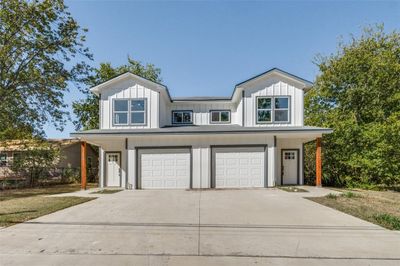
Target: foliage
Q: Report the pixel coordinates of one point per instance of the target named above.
(87, 110)
(35, 158)
(358, 95)
(41, 52)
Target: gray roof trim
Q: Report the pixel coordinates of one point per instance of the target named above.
(201, 130)
(307, 82)
(201, 98)
(215, 98)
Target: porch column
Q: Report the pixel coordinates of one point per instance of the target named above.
(318, 164)
(83, 165)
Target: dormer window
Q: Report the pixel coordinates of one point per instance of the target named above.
(138, 112)
(281, 109)
(182, 117)
(264, 109)
(273, 109)
(129, 112)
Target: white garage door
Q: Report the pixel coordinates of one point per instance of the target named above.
(239, 167)
(164, 168)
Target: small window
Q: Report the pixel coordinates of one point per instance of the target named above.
(290, 156)
(120, 115)
(182, 117)
(223, 116)
(281, 109)
(3, 159)
(264, 110)
(138, 112)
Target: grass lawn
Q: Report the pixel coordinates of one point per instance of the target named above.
(293, 189)
(107, 191)
(379, 207)
(29, 192)
(20, 205)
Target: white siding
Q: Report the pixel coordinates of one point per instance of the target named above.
(273, 87)
(159, 107)
(129, 90)
(201, 110)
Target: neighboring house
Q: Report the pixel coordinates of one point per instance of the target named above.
(254, 138)
(69, 155)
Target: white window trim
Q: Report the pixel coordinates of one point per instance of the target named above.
(282, 109)
(129, 112)
(272, 121)
(220, 116)
(262, 109)
(144, 112)
(182, 111)
(120, 112)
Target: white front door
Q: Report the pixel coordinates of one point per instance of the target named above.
(113, 169)
(290, 167)
(239, 167)
(164, 168)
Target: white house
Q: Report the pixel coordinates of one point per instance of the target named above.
(254, 138)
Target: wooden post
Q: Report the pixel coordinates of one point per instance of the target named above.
(83, 165)
(318, 164)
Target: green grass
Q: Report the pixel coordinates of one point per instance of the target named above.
(293, 189)
(378, 207)
(20, 205)
(107, 191)
(29, 192)
(22, 209)
(388, 221)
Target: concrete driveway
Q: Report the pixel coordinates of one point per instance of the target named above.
(214, 227)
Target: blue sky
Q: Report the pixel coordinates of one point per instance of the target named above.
(205, 48)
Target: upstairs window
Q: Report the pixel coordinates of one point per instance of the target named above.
(220, 117)
(281, 111)
(138, 112)
(120, 115)
(182, 117)
(129, 112)
(273, 109)
(264, 109)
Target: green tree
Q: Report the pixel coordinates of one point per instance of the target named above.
(87, 110)
(358, 95)
(41, 51)
(35, 159)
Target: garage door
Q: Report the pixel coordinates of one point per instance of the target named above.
(164, 168)
(239, 167)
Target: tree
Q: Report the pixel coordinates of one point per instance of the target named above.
(35, 159)
(358, 95)
(41, 52)
(87, 110)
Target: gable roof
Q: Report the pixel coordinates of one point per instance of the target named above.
(278, 71)
(97, 89)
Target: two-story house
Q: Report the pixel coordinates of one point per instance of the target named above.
(254, 138)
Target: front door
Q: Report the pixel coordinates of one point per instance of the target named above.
(113, 169)
(290, 174)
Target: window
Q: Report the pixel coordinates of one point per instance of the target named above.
(264, 109)
(290, 156)
(120, 112)
(281, 110)
(129, 112)
(3, 159)
(272, 109)
(138, 111)
(223, 116)
(182, 117)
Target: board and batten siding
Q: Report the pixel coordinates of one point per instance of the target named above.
(201, 110)
(274, 87)
(130, 91)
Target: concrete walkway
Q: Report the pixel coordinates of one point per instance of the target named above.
(213, 227)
